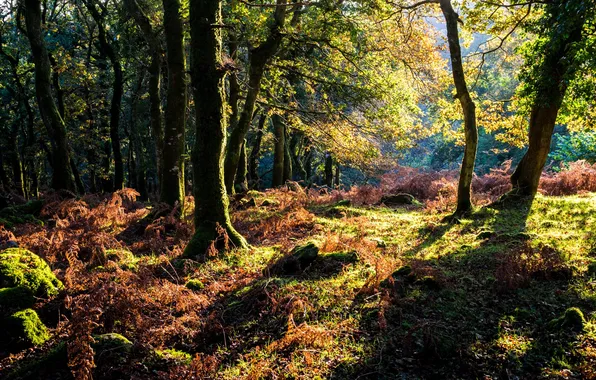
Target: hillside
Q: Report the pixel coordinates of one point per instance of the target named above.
(392, 292)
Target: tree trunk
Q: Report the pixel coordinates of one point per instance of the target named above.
(255, 153)
(154, 80)
(279, 153)
(259, 58)
(557, 71)
(4, 181)
(62, 177)
(336, 180)
(117, 91)
(241, 181)
(15, 160)
(287, 156)
(328, 169)
(208, 75)
(172, 184)
(464, 192)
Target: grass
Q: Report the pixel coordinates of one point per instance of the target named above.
(481, 297)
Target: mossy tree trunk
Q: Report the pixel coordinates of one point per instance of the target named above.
(208, 75)
(464, 191)
(259, 58)
(288, 167)
(556, 70)
(155, 66)
(62, 177)
(255, 153)
(172, 183)
(279, 152)
(241, 180)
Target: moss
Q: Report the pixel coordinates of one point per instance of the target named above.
(21, 214)
(125, 258)
(111, 342)
(573, 319)
(172, 355)
(26, 328)
(20, 267)
(18, 297)
(194, 284)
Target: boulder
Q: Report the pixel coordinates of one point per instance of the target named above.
(398, 200)
(20, 267)
(24, 328)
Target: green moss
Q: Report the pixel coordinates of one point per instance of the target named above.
(26, 328)
(111, 342)
(172, 355)
(20, 267)
(194, 284)
(18, 297)
(125, 258)
(572, 319)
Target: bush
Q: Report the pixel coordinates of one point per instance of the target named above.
(20, 267)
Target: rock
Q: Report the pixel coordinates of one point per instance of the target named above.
(269, 203)
(112, 342)
(572, 319)
(194, 284)
(398, 200)
(299, 259)
(485, 235)
(380, 242)
(25, 328)
(18, 297)
(20, 267)
(246, 203)
(403, 274)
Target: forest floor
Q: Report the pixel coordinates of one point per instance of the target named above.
(393, 292)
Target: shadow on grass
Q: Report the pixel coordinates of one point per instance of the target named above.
(452, 317)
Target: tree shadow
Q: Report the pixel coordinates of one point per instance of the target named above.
(446, 317)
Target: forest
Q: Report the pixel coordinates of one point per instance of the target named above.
(298, 189)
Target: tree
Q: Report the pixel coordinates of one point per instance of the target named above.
(464, 201)
(550, 65)
(109, 49)
(155, 47)
(208, 70)
(62, 177)
(260, 56)
(172, 181)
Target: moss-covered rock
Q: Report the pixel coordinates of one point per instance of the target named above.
(125, 258)
(24, 328)
(20, 267)
(194, 284)
(18, 297)
(572, 319)
(111, 342)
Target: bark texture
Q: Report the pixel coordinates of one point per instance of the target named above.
(464, 191)
(207, 75)
(172, 183)
(62, 177)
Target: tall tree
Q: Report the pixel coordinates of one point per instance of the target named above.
(260, 56)
(172, 181)
(62, 177)
(155, 47)
(207, 74)
(550, 67)
(464, 196)
(107, 44)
